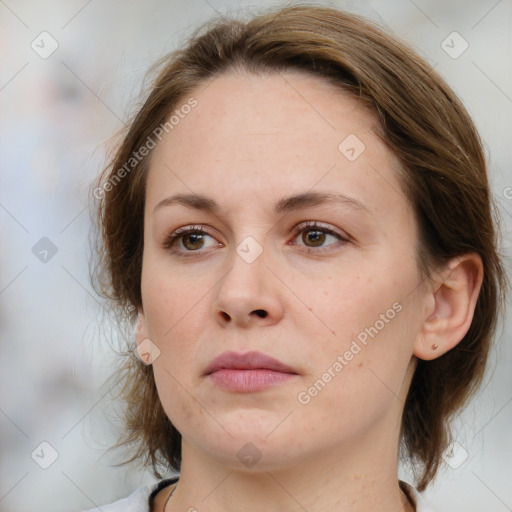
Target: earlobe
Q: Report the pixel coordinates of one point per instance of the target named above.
(146, 351)
(454, 301)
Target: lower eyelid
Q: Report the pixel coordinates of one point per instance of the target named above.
(323, 248)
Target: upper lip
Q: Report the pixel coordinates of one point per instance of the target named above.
(247, 361)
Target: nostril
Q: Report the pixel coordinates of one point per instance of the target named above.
(225, 316)
(261, 313)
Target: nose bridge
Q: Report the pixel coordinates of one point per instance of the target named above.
(247, 286)
(247, 265)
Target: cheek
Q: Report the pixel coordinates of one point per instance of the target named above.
(169, 299)
(357, 375)
(180, 405)
(350, 302)
(175, 317)
(364, 324)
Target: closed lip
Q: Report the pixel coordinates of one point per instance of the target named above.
(247, 361)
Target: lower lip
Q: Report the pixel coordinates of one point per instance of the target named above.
(248, 380)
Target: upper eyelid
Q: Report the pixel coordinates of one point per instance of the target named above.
(315, 224)
(302, 225)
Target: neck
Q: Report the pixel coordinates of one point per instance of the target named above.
(342, 480)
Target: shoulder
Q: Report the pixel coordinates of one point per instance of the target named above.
(415, 497)
(138, 501)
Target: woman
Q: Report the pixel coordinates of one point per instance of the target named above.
(299, 223)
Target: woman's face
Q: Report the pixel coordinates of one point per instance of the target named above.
(339, 302)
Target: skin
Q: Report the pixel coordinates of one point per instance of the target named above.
(250, 141)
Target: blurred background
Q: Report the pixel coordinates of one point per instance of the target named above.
(71, 73)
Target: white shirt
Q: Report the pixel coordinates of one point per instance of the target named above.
(138, 501)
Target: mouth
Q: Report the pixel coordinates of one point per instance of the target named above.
(248, 381)
(249, 372)
(247, 361)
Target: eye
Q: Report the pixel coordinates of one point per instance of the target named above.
(189, 239)
(313, 235)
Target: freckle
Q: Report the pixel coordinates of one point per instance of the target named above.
(359, 365)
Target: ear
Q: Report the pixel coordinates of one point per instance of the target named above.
(141, 330)
(451, 306)
(146, 350)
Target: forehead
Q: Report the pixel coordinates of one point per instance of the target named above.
(253, 137)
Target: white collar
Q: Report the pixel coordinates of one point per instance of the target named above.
(138, 501)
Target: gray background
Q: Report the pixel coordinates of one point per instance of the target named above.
(57, 114)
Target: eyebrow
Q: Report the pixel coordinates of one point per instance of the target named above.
(284, 205)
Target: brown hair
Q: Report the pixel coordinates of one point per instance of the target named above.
(443, 175)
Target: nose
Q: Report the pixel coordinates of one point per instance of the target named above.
(248, 294)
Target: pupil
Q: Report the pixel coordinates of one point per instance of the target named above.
(195, 238)
(318, 237)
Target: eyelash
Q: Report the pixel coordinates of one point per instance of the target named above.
(198, 230)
